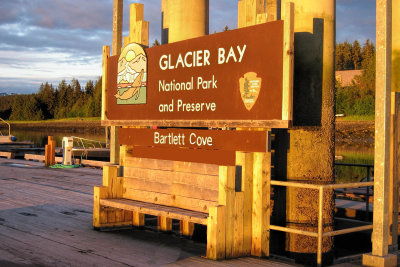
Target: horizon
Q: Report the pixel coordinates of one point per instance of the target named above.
(58, 47)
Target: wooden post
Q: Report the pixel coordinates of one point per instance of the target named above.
(106, 55)
(226, 198)
(118, 7)
(380, 234)
(272, 10)
(139, 28)
(394, 171)
(99, 216)
(382, 129)
(246, 161)
(395, 126)
(216, 233)
(238, 234)
(261, 204)
(252, 12)
(116, 49)
(50, 152)
(288, 62)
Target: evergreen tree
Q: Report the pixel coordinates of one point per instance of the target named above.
(347, 56)
(339, 57)
(357, 59)
(47, 99)
(367, 54)
(89, 89)
(156, 43)
(26, 108)
(77, 91)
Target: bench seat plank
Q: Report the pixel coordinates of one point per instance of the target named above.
(156, 210)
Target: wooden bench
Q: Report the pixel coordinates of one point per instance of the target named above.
(224, 190)
(194, 193)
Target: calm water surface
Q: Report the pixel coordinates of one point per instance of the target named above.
(40, 138)
(357, 155)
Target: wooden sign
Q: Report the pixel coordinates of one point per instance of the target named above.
(246, 141)
(190, 145)
(229, 79)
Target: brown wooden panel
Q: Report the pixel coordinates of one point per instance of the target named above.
(170, 200)
(218, 157)
(169, 165)
(247, 141)
(169, 177)
(250, 50)
(195, 192)
(175, 189)
(146, 185)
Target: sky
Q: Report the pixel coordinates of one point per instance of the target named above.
(51, 40)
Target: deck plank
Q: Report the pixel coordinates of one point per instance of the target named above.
(46, 220)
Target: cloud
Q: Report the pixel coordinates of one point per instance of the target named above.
(50, 40)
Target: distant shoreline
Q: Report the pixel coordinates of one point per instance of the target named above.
(76, 126)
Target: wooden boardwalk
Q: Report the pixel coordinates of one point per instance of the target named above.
(46, 220)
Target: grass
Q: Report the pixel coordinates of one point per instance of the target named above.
(357, 118)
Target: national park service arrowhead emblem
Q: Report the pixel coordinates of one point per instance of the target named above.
(250, 86)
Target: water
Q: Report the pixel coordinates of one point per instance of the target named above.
(40, 138)
(357, 155)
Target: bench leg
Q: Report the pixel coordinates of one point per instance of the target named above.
(216, 233)
(99, 216)
(164, 224)
(108, 217)
(187, 228)
(138, 219)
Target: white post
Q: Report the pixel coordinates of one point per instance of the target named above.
(380, 234)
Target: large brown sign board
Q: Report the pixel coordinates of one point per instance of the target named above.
(229, 79)
(205, 146)
(246, 141)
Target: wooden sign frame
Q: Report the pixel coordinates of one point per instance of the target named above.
(283, 121)
(193, 145)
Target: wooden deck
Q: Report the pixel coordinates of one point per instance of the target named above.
(46, 220)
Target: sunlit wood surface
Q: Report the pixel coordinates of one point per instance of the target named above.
(46, 220)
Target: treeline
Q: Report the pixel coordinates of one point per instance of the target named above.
(67, 100)
(354, 56)
(359, 98)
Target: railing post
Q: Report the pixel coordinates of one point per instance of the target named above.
(320, 225)
(367, 197)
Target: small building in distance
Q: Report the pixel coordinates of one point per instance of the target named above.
(346, 77)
